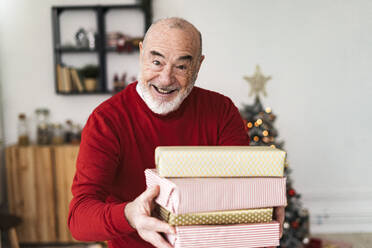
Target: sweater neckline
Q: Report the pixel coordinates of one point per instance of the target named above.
(172, 115)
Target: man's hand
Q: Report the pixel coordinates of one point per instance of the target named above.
(138, 214)
(279, 214)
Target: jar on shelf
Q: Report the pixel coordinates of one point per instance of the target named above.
(43, 128)
(57, 138)
(23, 138)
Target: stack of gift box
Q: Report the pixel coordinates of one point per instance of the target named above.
(219, 196)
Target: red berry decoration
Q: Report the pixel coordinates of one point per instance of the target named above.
(294, 224)
(291, 192)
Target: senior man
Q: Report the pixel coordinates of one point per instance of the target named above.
(110, 199)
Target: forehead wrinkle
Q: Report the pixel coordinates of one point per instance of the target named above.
(163, 26)
(158, 48)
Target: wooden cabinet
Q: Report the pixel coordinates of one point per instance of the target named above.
(39, 182)
(65, 162)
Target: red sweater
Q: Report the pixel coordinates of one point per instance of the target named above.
(118, 143)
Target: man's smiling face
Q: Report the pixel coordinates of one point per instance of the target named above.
(170, 60)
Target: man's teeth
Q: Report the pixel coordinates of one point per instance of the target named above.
(163, 91)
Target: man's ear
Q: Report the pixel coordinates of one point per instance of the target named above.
(140, 45)
(200, 61)
(198, 68)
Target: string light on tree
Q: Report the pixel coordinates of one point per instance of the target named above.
(261, 130)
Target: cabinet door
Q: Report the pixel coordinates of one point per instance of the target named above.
(31, 192)
(65, 164)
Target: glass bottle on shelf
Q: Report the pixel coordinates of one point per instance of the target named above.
(76, 134)
(123, 82)
(23, 138)
(79, 131)
(43, 130)
(116, 83)
(58, 138)
(132, 79)
(68, 131)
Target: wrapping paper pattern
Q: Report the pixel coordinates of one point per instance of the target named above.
(261, 215)
(193, 195)
(219, 161)
(226, 236)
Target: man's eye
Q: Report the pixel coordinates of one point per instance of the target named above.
(156, 62)
(182, 67)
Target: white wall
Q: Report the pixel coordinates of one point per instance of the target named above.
(318, 52)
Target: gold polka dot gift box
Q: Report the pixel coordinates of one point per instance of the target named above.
(244, 216)
(219, 161)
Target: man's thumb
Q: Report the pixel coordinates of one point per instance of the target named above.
(151, 192)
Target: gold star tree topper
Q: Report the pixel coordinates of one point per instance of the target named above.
(258, 82)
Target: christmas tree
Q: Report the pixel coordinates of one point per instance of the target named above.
(261, 130)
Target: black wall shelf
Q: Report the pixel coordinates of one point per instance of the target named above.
(101, 50)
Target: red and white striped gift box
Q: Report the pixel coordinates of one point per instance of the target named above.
(226, 236)
(193, 195)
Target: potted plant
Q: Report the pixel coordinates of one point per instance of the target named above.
(90, 75)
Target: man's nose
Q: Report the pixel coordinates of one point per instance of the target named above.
(166, 75)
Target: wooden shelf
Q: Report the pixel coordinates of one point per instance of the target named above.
(101, 51)
(115, 50)
(90, 7)
(72, 93)
(75, 50)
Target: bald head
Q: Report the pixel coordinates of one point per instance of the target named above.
(170, 59)
(163, 25)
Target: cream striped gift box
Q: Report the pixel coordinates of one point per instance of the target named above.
(219, 161)
(193, 195)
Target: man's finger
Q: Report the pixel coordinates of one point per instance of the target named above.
(158, 241)
(279, 214)
(154, 224)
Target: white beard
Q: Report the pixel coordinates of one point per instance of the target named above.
(161, 107)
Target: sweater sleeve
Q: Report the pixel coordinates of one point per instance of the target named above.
(231, 131)
(90, 217)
